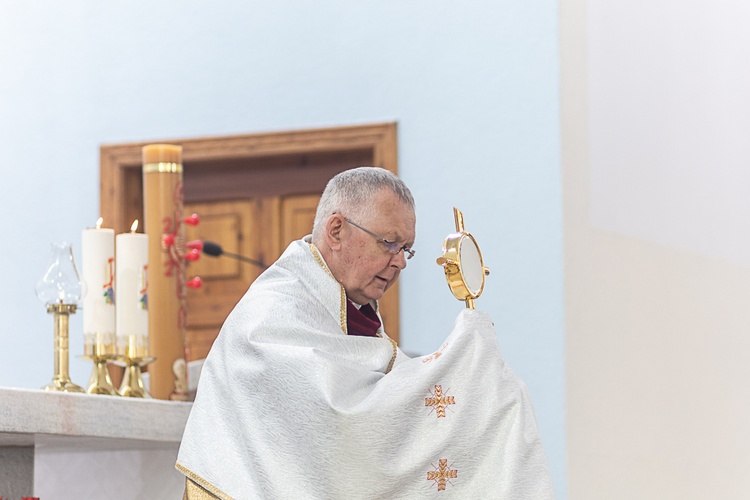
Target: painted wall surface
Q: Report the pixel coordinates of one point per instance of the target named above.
(473, 86)
(657, 248)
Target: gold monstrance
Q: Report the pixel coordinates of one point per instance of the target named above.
(463, 264)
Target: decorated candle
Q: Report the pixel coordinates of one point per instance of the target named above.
(132, 293)
(98, 251)
(163, 206)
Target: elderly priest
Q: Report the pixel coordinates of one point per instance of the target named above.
(303, 394)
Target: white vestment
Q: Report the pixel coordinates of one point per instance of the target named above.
(289, 406)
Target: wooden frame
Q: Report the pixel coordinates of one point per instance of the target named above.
(120, 176)
(118, 159)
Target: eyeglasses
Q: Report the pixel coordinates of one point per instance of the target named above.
(390, 246)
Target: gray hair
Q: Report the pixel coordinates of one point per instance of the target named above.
(351, 193)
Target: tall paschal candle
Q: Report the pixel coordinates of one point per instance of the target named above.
(163, 207)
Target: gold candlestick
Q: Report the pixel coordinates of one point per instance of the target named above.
(132, 382)
(60, 289)
(61, 380)
(134, 356)
(100, 354)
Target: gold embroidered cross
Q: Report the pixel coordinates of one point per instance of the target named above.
(438, 400)
(442, 473)
(435, 355)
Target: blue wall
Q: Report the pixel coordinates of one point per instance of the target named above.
(474, 87)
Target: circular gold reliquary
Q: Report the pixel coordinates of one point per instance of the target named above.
(463, 264)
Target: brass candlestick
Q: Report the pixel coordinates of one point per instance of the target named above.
(134, 357)
(100, 354)
(61, 380)
(60, 289)
(132, 382)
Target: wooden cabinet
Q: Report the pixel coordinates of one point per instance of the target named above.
(255, 194)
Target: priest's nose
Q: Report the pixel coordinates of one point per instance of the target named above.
(399, 260)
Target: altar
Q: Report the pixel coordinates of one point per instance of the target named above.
(60, 446)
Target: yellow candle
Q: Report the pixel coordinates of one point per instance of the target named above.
(163, 208)
(163, 157)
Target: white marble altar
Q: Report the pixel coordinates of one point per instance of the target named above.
(71, 446)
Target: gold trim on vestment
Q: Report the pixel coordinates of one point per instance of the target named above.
(395, 352)
(197, 488)
(162, 167)
(322, 263)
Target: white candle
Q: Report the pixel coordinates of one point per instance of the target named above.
(132, 294)
(98, 252)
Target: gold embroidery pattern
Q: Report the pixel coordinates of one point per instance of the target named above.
(442, 474)
(198, 483)
(342, 317)
(439, 401)
(194, 491)
(435, 355)
(321, 262)
(395, 350)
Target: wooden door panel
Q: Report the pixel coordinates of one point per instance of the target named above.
(200, 340)
(268, 210)
(222, 228)
(234, 226)
(297, 217)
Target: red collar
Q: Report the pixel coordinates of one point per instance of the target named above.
(363, 322)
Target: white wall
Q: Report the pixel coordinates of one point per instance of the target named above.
(473, 86)
(657, 247)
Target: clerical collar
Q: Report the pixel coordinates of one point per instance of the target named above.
(362, 321)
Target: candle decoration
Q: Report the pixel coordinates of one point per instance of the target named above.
(99, 305)
(195, 283)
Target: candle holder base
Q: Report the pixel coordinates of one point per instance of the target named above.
(100, 381)
(59, 385)
(132, 382)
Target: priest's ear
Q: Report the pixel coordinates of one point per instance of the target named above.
(334, 231)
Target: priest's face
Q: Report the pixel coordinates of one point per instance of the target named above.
(363, 264)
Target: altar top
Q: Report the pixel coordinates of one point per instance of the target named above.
(62, 420)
